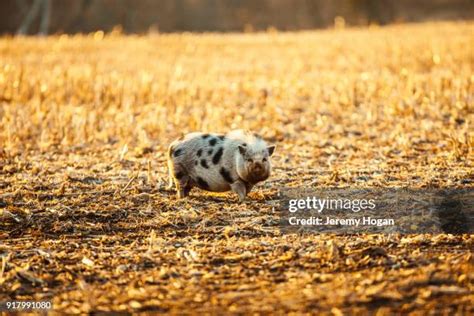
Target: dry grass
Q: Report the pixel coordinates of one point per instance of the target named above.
(85, 120)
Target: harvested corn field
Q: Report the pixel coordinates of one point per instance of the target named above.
(86, 220)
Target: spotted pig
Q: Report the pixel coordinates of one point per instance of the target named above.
(215, 162)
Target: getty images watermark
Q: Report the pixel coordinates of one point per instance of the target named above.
(319, 205)
(336, 210)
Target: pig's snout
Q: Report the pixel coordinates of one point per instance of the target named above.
(257, 168)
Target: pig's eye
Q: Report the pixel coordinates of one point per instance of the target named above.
(250, 160)
(264, 159)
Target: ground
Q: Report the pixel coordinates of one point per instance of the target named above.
(87, 221)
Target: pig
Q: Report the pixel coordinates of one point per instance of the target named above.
(215, 162)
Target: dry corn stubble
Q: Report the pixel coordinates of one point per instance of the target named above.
(84, 125)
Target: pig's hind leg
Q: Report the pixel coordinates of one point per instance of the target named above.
(179, 178)
(183, 185)
(171, 179)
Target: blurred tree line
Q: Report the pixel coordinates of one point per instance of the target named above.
(140, 16)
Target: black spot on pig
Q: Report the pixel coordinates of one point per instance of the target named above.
(178, 152)
(199, 153)
(213, 141)
(226, 175)
(202, 183)
(204, 164)
(217, 156)
(204, 136)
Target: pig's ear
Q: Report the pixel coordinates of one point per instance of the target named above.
(242, 150)
(271, 149)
